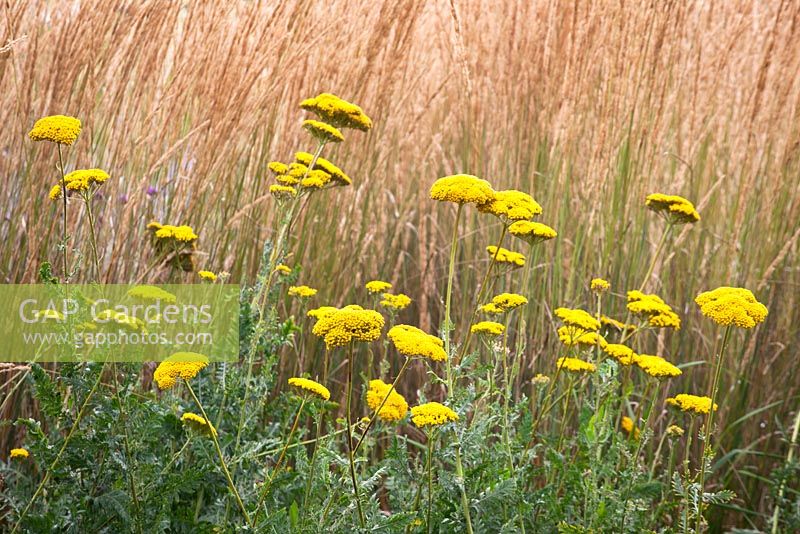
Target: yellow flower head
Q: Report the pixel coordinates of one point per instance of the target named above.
(183, 365)
(491, 309)
(577, 318)
(572, 336)
(322, 311)
(656, 366)
(277, 168)
(120, 319)
(55, 192)
(692, 404)
(575, 365)
(351, 323)
(541, 380)
(337, 175)
(297, 170)
(151, 294)
(488, 328)
(598, 285)
(282, 192)
(286, 180)
(512, 205)
(732, 306)
(432, 414)
(615, 324)
(56, 128)
(182, 233)
(302, 292)
(377, 286)
(412, 342)
(19, 453)
(674, 431)
(316, 179)
(627, 426)
(395, 302)
(532, 232)
(621, 353)
(197, 423)
(306, 385)
(394, 409)
(509, 301)
(514, 259)
(659, 314)
(462, 189)
(677, 210)
(337, 112)
(323, 132)
(282, 269)
(83, 179)
(207, 275)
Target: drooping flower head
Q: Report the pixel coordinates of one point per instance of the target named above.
(394, 409)
(623, 354)
(488, 328)
(462, 189)
(83, 179)
(658, 313)
(598, 285)
(395, 302)
(282, 192)
(575, 365)
(692, 403)
(732, 306)
(532, 232)
(656, 366)
(60, 129)
(55, 192)
(412, 342)
(378, 286)
(338, 112)
(351, 323)
(19, 453)
(304, 385)
(303, 292)
(514, 259)
(183, 365)
(675, 209)
(572, 336)
(198, 423)
(323, 132)
(511, 205)
(432, 414)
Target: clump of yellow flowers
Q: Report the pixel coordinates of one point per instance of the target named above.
(432, 414)
(732, 306)
(691, 403)
(394, 407)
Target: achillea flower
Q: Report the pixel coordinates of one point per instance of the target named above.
(277, 168)
(197, 423)
(692, 403)
(55, 192)
(378, 286)
(621, 353)
(287, 180)
(282, 192)
(183, 365)
(659, 314)
(508, 301)
(297, 170)
(19, 453)
(598, 285)
(511, 205)
(656, 366)
(151, 294)
(577, 318)
(677, 210)
(337, 174)
(532, 232)
(316, 179)
(207, 275)
(627, 426)
(322, 311)
(515, 259)
(575, 365)
(394, 409)
(60, 129)
(732, 306)
(351, 323)
(412, 342)
(310, 386)
(432, 414)
(491, 309)
(488, 328)
(615, 324)
(323, 132)
(83, 179)
(541, 380)
(337, 111)
(395, 302)
(282, 269)
(674, 431)
(119, 319)
(302, 292)
(462, 189)
(182, 233)
(572, 336)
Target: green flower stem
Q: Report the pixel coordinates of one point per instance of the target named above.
(430, 481)
(375, 413)
(222, 463)
(92, 235)
(64, 196)
(278, 464)
(349, 437)
(707, 447)
(789, 457)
